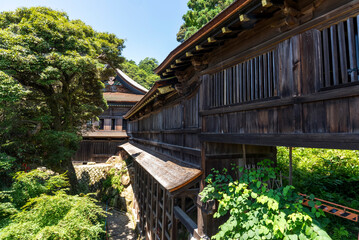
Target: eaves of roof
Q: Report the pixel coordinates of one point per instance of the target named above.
(203, 32)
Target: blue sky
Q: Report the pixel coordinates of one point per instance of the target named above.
(149, 26)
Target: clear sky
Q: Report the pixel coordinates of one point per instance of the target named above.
(148, 26)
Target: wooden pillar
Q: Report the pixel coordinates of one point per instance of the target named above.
(290, 165)
(204, 221)
(107, 124)
(118, 124)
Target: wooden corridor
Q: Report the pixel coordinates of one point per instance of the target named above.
(261, 74)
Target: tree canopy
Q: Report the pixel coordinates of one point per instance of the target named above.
(200, 13)
(54, 65)
(143, 72)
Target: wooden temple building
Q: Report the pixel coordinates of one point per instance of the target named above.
(101, 141)
(263, 73)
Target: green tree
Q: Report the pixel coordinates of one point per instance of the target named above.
(143, 72)
(200, 13)
(148, 64)
(60, 63)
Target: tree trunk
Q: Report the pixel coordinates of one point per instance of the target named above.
(71, 174)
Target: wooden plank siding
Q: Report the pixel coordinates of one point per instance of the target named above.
(309, 85)
(172, 131)
(272, 85)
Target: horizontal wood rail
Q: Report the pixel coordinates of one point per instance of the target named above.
(190, 225)
(171, 131)
(334, 93)
(192, 151)
(313, 140)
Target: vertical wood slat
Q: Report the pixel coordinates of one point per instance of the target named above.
(157, 209)
(334, 51)
(152, 208)
(352, 50)
(225, 87)
(342, 53)
(237, 80)
(164, 216)
(260, 76)
(265, 76)
(240, 82)
(244, 80)
(275, 72)
(326, 58)
(256, 78)
(270, 74)
(252, 79)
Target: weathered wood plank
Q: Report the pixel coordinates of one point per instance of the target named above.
(252, 69)
(342, 53)
(275, 102)
(260, 76)
(337, 115)
(285, 52)
(256, 78)
(244, 81)
(265, 76)
(354, 114)
(326, 58)
(310, 80)
(334, 51)
(270, 74)
(169, 174)
(325, 140)
(352, 50)
(314, 117)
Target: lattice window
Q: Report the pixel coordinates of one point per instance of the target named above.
(254, 79)
(340, 53)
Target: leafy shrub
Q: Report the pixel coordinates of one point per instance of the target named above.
(335, 174)
(6, 169)
(257, 212)
(34, 183)
(60, 216)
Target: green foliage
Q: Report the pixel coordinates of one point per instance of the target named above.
(200, 13)
(34, 183)
(60, 216)
(60, 63)
(143, 72)
(113, 180)
(47, 211)
(6, 163)
(330, 174)
(257, 212)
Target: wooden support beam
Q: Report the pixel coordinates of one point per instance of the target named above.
(179, 61)
(189, 54)
(226, 30)
(267, 3)
(199, 48)
(244, 18)
(169, 70)
(211, 40)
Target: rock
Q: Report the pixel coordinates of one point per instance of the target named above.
(125, 180)
(114, 160)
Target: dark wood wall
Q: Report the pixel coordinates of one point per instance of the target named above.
(172, 130)
(303, 92)
(97, 150)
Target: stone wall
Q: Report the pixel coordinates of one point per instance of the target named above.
(111, 181)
